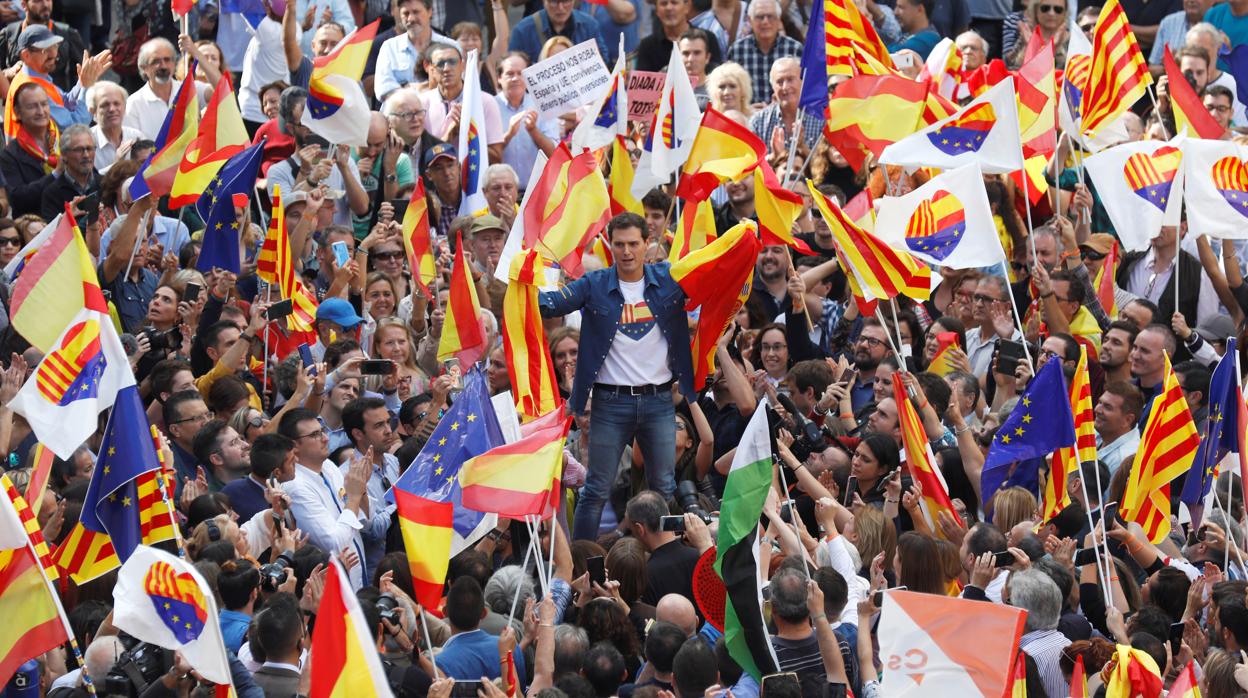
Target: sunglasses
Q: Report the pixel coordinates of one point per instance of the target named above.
(387, 255)
(1053, 9)
(15, 242)
(1091, 255)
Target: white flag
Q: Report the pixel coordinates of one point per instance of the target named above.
(473, 155)
(1141, 186)
(670, 137)
(984, 131)
(1215, 180)
(610, 118)
(163, 600)
(947, 222)
(15, 265)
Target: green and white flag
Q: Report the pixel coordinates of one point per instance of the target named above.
(737, 558)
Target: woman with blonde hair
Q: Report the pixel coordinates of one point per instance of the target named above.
(729, 88)
(470, 37)
(392, 340)
(873, 533)
(1012, 506)
(553, 45)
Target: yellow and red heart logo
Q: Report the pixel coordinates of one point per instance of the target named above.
(1230, 176)
(1151, 176)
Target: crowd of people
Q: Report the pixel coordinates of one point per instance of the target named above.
(280, 466)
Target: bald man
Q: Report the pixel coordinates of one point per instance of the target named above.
(679, 611)
(385, 171)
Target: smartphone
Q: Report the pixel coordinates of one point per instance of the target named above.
(400, 208)
(465, 689)
(786, 511)
(377, 367)
(675, 524)
(280, 309)
(1109, 514)
(1176, 636)
(1085, 556)
(597, 569)
(902, 60)
(850, 377)
(1004, 558)
(305, 355)
(192, 292)
(341, 254)
(90, 204)
(1009, 354)
(851, 486)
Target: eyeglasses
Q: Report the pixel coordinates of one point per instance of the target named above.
(81, 150)
(15, 242)
(319, 433)
(409, 115)
(1053, 9)
(392, 255)
(256, 422)
(201, 417)
(1091, 255)
(680, 426)
(870, 341)
(981, 298)
(1087, 28)
(446, 63)
(1220, 108)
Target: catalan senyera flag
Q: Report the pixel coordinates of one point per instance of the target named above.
(722, 150)
(717, 279)
(30, 524)
(221, 136)
(275, 265)
(777, 209)
(1067, 459)
(844, 27)
(343, 658)
(31, 611)
(1132, 673)
(529, 365)
(43, 302)
(1186, 685)
(520, 478)
(945, 343)
(180, 128)
(1036, 94)
(922, 461)
(417, 242)
(462, 335)
(1167, 449)
(337, 109)
(1118, 74)
(1104, 283)
(1018, 677)
(567, 208)
(618, 189)
(85, 555)
(694, 230)
(861, 212)
(1189, 111)
(427, 528)
(40, 473)
(879, 270)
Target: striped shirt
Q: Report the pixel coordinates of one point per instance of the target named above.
(1045, 647)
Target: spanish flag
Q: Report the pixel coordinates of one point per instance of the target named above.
(343, 659)
(777, 209)
(1036, 93)
(1131, 672)
(337, 109)
(945, 342)
(85, 555)
(427, 528)
(621, 183)
(32, 614)
(1104, 282)
(520, 478)
(716, 278)
(417, 243)
(722, 150)
(1066, 460)
(694, 230)
(1189, 111)
(1185, 685)
(180, 128)
(870, 112)
(462, 335)
(922, 462)
(1018, 677)
(1118, 75)
(29, 523)
(222, 135)
(529, 365)
(1078, 679)
(1167, 449)
(44, 303)
(568, 206)
(40, 472)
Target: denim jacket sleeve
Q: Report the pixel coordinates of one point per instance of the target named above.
(563, 301)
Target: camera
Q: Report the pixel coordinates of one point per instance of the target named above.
(137, 668)
(273, 575)
(162, 341)
(687, 498)
(808, 438)
(388, 608)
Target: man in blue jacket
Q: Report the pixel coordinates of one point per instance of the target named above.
(634, 342)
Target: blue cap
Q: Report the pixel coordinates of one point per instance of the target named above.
(338, 311)
(25, 682)
(37, 36)
(441, 150)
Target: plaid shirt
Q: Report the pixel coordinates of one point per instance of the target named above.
(762, 123)
(758, 64)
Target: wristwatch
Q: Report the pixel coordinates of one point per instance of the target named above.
(392, 178)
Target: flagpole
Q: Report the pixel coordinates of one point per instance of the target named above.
(1031, 238)
(550, 571)
(1177, 251)
(64, 618)
(798, 127)
(424, 628)
(784, 482)
(1018, 317)
(164, 494)
(1153, 96)
(264, 371)
(892, 301)
(524, 569)
(809, 157)
(892, 343)
(1092, 527)
(138, 239)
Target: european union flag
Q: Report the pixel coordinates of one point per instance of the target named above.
(1226, 404)
(113, 505)
(1040, 424)
(814, 95)
(468, 429)
(216, 208)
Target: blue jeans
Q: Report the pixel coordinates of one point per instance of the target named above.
(615, 419)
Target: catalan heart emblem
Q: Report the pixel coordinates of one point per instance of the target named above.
(1230, 176)
(937, 225)
(177, 599)
(1151, 176)
(966, 133)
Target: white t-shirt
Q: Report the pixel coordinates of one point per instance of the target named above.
(638, 356)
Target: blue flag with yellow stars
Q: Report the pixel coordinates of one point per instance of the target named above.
(121, 501)
(468, 429)
(1040, 424)
(1223, 431)
(216, 207)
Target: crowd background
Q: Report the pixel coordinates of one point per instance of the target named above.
(275, 461)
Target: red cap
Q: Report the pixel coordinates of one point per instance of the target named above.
(241, 201)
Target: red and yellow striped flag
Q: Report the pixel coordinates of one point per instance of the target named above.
(1078, 679)
(462, 335)
(778, 209)
(1189, 111)
(568, 206)
(921, 461)
(1167, 449)
(618, 189)
(32, 615)
(1036, 93)
(1018, 677)
(846, 34)
(529, 365)
(417, 243)
(521, 478)
(879, 270)
(945, 343)
(427, 528)
(1105, 282)
(29, 524)
(85, 555)
(343, 658)
(694, 230)
(40, 473)
(275, 265)
(1067, 460)
(1118, 75)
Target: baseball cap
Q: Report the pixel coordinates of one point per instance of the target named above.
(338, 311)
(440, 150)
(1100, 243)
(486, 221)
(37, 36)
(1216, 328)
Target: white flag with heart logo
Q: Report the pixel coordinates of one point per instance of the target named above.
(947, 221)
(984, 131)
(1141, 185)
(1216, 190)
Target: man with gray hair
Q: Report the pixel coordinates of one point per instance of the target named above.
(782, 113)
(525, 134)
(1209, 37)
(571, 644)
(1037, 593)
(75, 178)
(107, 103)
(759, 51)
(795, 642)
(406, 115)
(502, 192)
(146, 108)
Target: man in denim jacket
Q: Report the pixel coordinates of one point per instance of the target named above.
(634, 343)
